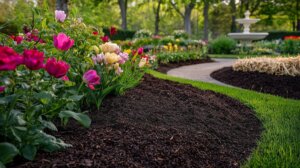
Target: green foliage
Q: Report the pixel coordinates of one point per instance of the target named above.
(180, 34)
(280, 140)
(172, 57)
(222, 45)
(7, 152)
(143, 33)
(290, 47)
(121, 34)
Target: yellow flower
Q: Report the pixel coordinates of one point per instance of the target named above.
(96, 49)
(116, 66)
(111, 58)
(128, 51)
(165, 47)
(109, 47)
(177, 40)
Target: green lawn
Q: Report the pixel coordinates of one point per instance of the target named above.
(279, 145)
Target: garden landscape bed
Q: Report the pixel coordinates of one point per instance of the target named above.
(164, 68)
(283, 85)
(159, 124)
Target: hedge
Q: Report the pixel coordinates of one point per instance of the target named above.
(280, 35)
(121, 34)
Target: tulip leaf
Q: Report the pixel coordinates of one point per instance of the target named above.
(29, 152)
(76, 97)
(7, 152)
(80, 117)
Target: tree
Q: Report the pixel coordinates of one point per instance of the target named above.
(62, 5)
(188, 7)
(205, 15)
(157, 18)
(233, 15)
(123, 9)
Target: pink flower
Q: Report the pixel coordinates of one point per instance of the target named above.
(140, 50)
(65, 78)
(33, 59)
(58, 69)
(63, 42)
(17, 39)
(2, 88)
(91, 78)
(98, 58)
(105, 39)
(124, 58)
(60, 15)
(9, 59)
(112, 31)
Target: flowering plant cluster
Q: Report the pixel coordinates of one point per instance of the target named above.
(292, 38)
(50, 71)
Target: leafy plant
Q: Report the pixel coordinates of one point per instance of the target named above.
(222, 45)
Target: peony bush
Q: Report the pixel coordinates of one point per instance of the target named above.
(53, 70)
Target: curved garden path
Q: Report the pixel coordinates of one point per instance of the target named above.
(202, 72)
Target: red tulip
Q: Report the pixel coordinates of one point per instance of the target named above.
(58, 69)
(9, 59)
(33, 59)
(91, 78)
(140, 50)
(2, 88)
(112, 31)
(95, 33)
(105, 39)
(17, 39)
(63, 42)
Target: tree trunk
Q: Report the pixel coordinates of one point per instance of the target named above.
(205, 15)
(297, 15)
(123, 9)
(233, 16)
(62, 5)
(157, 18)
(187, 17)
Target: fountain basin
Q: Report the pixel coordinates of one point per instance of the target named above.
(247, 36)
(247, 21)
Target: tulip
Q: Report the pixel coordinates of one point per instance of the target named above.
(2, 88)
(112, 31)
(98, 58)
(143, 62)
(123, 57)
(110, 48)
(111, 58)
(60, 15)
(140, 51)
(63, 42)
(91, 78)
(118, 69)
(17, 39)
(33, 59)
(58, 69)
(65, 78)
(105, 39)
(9, 59)
(95, 33)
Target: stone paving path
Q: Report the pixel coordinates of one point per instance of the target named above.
(202, 72)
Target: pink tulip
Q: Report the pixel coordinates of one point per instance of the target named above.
(33, 59)
(60, 15)
(17, 39)
(140, 50)
(98, 58)
(105, 39)
(63, 42)
(2, 88)
(91, 78)
(124, 58)
(9, 59)
(58, 69)
(65, 78)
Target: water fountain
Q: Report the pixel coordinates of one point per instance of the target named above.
(246, 36)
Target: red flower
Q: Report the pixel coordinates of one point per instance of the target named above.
(2, 88)
(63, 42)
(95, 33)
(140, 50)
(33, 59)
(105, 39)
(58, 69)
(91, 78)
(112, 31)
(9, 59)
(292, 38)
(17, 39)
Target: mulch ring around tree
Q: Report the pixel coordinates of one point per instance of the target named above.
(159, 124)
(164, 68)
(285, 86)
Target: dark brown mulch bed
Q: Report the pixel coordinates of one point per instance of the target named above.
(160, 124)
(164, 68)
(285, 86)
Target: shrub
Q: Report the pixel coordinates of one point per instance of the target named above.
(280, 35)
(121, 34)
(143, 33)
(180, 34)
(222, 45)
(290, 47)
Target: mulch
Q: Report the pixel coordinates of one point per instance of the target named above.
(285, 86)
(159, 124)
(164, 68)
